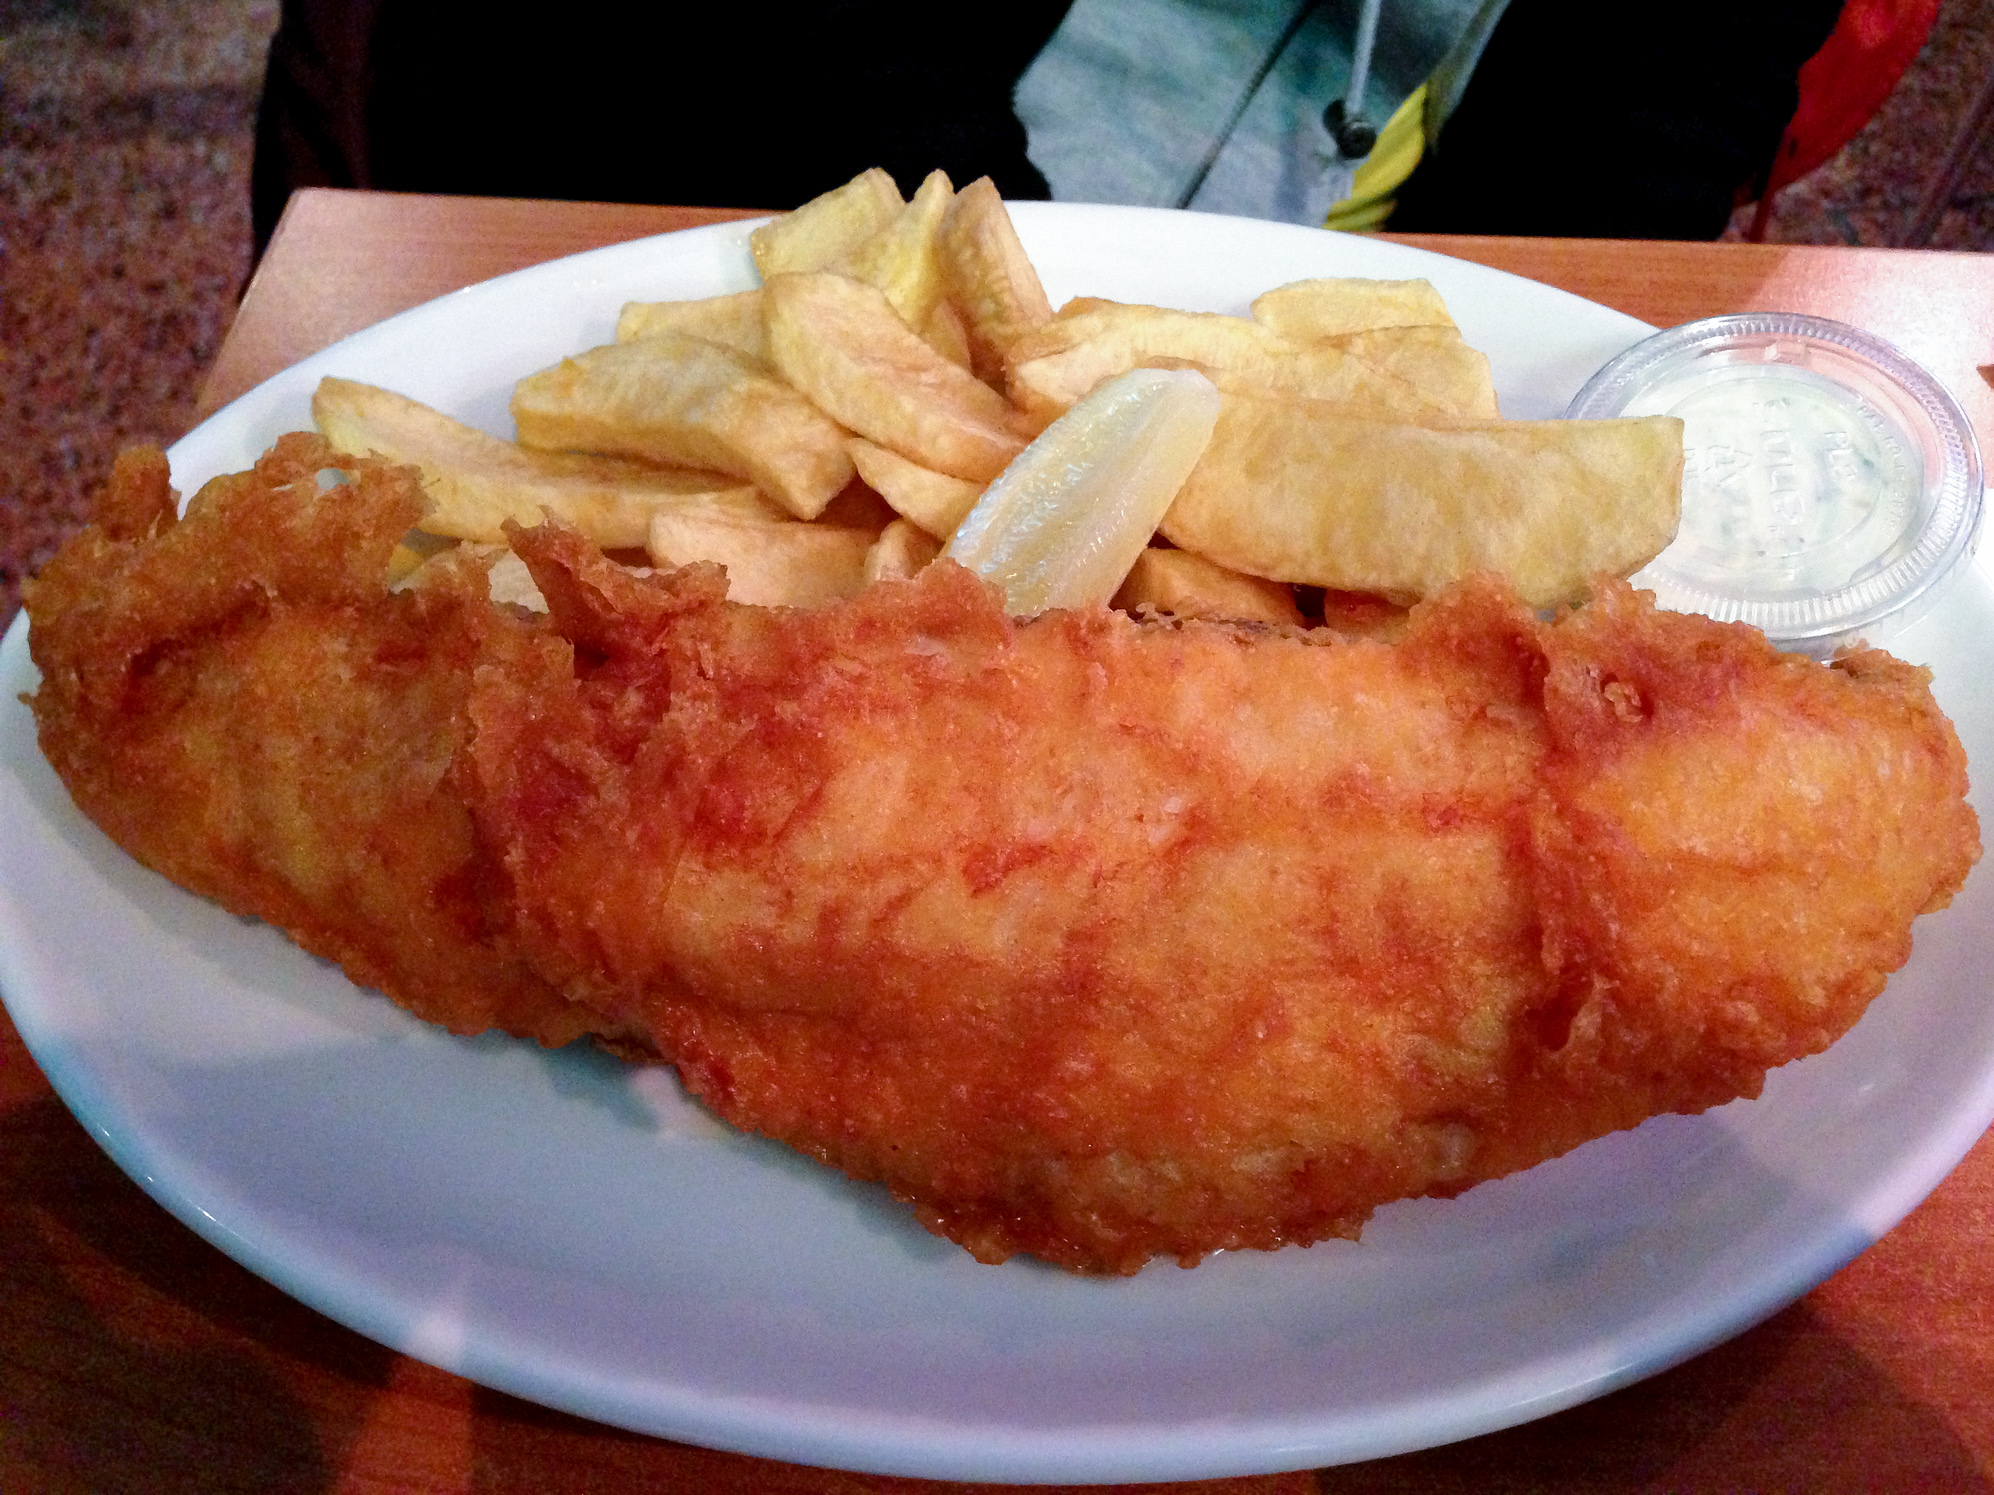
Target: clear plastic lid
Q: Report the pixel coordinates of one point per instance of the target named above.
(1830, 485)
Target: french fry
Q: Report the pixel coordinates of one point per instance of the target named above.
(841, 343)
(732, 321)
(510, 582)
(933, 500)
(1189, 586)
(828, 227)
(420, 558)
(1309, 309)
(945, 333)
(674, 398)
(900, 258)
(1055, 365)
(1436, 361)
(411, 553)
(506, 578)
(989, 278)
(778, 563)
(474, 482)
(1296, 491)
(901, 351)
(1079, 306)
(902, 549)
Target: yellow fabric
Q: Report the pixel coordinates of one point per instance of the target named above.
(1400, 145)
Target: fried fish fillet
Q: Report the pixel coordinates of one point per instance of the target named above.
(1102, 940)
(1090, 938)
(239, 702)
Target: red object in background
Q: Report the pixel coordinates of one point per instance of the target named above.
(1843, 84)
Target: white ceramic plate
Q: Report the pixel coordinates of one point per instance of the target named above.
(576, 1232)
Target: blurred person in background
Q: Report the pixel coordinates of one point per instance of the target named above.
(718, 105)
(1557, 118)
(1577, 121)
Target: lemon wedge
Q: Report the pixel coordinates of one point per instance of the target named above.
(1062, 525)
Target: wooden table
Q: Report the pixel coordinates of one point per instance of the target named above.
(134, 1356)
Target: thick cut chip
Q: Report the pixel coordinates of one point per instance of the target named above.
(945, 333)
(1079, 306)
(990, 278)
(506, 578)
(933, 500)
(1189, 586)
(902, 549)
(474, 482)
(674, 398)
(841, 343)
(828, 227)
(1057, 364)
(510, 582)
(1436, 361)
(1309, 309)
(777, 563)
(403, 562)
(1301, 492)
(412, 552)
(1066, 521)
(732, 321)
(900, 259)
(1432, 357)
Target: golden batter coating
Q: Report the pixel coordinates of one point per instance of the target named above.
(1093, 938)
